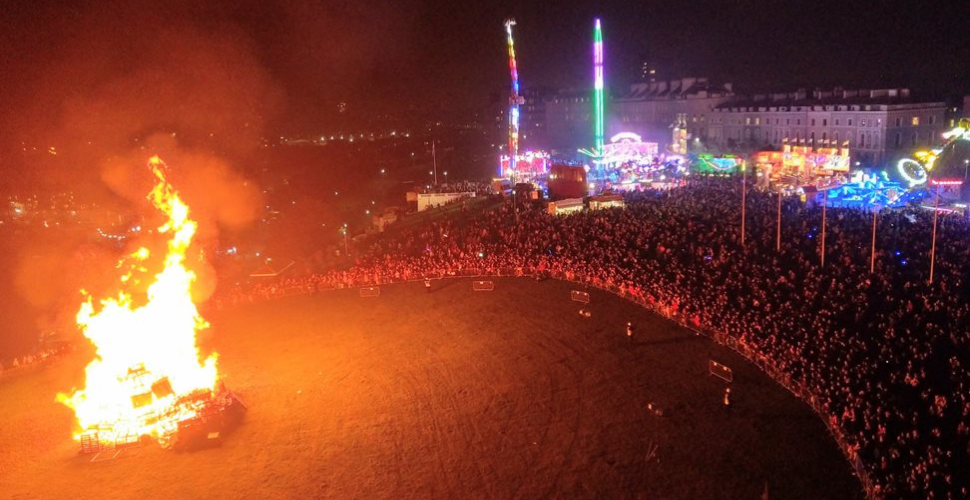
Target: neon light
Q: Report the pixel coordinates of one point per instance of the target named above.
(514, 98)
(598, 102)
(948, 182)
(626, 136)
(957, 133)
(530, 164)
(912, 171)
(710, 164)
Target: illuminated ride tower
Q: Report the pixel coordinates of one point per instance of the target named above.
(599, 103)
(514, 101)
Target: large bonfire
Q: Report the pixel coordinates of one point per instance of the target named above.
(147, 376)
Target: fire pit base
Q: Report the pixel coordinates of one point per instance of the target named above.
(215, 413)
(206, 430)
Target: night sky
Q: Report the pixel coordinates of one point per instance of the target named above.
(283, 66)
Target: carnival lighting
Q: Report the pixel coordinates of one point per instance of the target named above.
(514, 98)
(626, 137)
(598, 102)
(912, 171)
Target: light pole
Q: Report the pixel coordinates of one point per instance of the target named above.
(344, 231)
(825, 200)
(434, 161)
(936, 217)
(778, 230)
(744, 192)
(872, 256)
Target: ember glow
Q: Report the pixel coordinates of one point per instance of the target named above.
(147, 360)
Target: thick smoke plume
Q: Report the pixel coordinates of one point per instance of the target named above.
(115, 93)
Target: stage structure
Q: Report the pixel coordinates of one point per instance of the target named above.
(799, 165)
(627, 147)
(530, 166)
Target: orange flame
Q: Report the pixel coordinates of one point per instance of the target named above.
(147, 357)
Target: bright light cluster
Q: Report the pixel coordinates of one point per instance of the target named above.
(514, 98)
(598, 101)
(147, 356)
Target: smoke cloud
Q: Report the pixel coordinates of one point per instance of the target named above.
(119, 84)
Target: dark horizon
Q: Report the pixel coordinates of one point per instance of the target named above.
(287, 66)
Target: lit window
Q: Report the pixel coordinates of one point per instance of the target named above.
(915, 121)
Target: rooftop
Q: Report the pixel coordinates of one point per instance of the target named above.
(834, 97)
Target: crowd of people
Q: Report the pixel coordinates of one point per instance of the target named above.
(480, 188)
(28, 360)
(885, 353)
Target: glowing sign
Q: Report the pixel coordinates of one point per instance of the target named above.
(528, 163)
(951, 182)
(626, 137)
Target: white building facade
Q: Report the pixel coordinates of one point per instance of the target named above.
(878, 125)
(646, 109)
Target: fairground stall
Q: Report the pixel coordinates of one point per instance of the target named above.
(706, 164)
(796, 166)
(530, 166)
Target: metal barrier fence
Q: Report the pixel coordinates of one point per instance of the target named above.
(798, 388)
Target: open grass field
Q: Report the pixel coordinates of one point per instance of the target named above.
(452, 394)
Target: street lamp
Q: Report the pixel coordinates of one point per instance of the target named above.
(343, 230)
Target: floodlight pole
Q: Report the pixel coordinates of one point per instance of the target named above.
(744, 192)
(872, 253)
(778, 230)
(825, 200)
(936, 217)
(434, 161)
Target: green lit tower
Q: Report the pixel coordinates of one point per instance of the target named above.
(598, 102)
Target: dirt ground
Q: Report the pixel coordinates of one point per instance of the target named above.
(446, 395)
